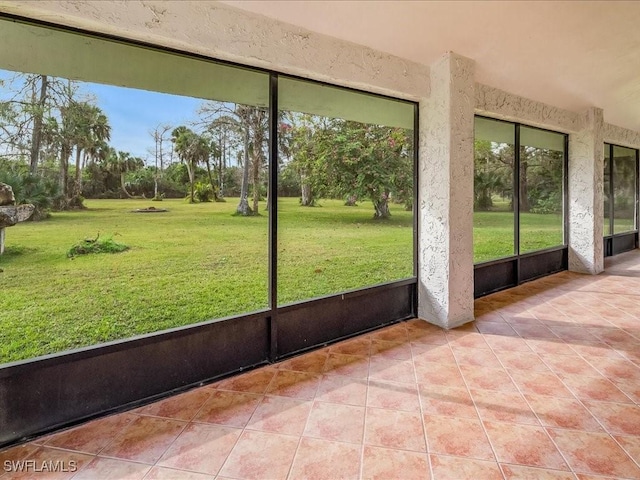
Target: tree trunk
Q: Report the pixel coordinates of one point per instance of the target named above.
(123, 186)
(64, 170)
(351, 201)
(78, 177)
(191, 173)
(256, 177)
(243, 206)
(382, 207)
(524, 188)
(258, 142)
(307, 199)
(213, 187)
(36, 137)
(221, 167)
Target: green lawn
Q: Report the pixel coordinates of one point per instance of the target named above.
(493, 233)
(191, 264)
(199, 262)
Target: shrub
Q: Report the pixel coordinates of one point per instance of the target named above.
(550, 203)
(42, 192)
(203, 192)
(89, 245)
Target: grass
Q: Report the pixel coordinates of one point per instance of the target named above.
(191, 264)
(493, 233)
(199, 262)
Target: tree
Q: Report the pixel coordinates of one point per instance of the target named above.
(369, 161)
(22, 115)
(212, 152)
(90, 132)
(226, 135)
(25, 117)
(191, 149)
(541, 174)
(81, 126)
(251, 122)
(159, 154)
(120, 163)
(493, 173)
(38, 115)
(301, 144)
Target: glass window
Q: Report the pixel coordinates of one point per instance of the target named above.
(624, 189)
(608, 204)
(493, 218)
(345, 190)
(96, 130)
(502, 149)
(541, 189)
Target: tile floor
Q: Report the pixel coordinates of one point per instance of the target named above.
(544, 385)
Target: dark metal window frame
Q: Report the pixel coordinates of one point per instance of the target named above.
(616, 243)
(506, 272)
(100, 379)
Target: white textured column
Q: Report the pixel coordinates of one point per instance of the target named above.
(586, 202)
(445, 196)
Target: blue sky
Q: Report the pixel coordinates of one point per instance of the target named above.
(133, 113)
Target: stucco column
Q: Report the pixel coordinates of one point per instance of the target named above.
(445, 196)
(586, 202)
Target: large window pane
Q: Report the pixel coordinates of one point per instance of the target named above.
(624, 189)
(607, 190)
(188, 133)
(345, 190)
(541, 189)
(493, 219)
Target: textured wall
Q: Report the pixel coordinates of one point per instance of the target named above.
(226, 33)
(507, 106)
(586, 208)
(621, 136)
(445, 290)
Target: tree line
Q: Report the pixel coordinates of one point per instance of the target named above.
(540, 181)
(55, 150)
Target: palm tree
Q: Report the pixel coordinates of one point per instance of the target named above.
(120, 163)
(192, 149)
(95, 131)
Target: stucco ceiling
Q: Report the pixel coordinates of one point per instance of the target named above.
(570, 54)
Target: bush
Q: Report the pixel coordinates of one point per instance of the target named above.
(88, 245)
(551, 203)
(202, 192)
(39, 191)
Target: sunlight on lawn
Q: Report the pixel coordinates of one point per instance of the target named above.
(192, 264)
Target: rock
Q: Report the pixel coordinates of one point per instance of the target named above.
(24, 212)
(7, 219)
(10, 215)
(6, 195)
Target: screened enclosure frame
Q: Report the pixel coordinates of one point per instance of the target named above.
(615, 243)
(163, 363)
(509, 271)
